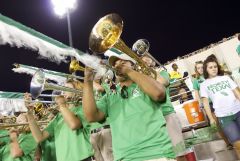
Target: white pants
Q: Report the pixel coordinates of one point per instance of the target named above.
(175, 133)
(102, 145)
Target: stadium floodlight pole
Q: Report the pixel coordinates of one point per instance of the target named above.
(63, 8)
(69, 29)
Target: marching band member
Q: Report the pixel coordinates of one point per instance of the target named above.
(138, 126)
(101, 138)
(173, 123)
(22, 145)
(69, 128)
(3, 139)
(174, 127)
(46, 149)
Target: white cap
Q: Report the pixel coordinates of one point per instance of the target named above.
(115, 54)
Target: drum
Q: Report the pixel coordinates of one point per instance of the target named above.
(193, 112)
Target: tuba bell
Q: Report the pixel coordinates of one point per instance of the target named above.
(106, 34)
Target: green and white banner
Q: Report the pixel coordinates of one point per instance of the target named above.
(11, 102)
(58, 77)
(16, 34)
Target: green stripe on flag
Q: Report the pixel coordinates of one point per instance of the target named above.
(46, 71)
(9, 95)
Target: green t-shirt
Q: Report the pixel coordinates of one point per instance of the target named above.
(70, 144)
(137, 125)
(28, 146)
(238, 50)
(48, 150)
(4, 140)
(196, 85)
(106, 87)
(197, 82)
(1, 152)
(167, 107)
(98, 96)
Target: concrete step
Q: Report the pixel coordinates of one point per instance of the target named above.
(226, 155)
(214, 150)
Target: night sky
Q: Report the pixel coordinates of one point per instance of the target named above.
(173, 28)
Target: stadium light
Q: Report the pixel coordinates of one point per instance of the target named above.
(62, 8)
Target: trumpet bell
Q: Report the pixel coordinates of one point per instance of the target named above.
(74, 66)
(37, 83)
(141, 46)
(105, 33)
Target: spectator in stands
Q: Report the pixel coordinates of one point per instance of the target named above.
(175, 74)
(178, 84)
(198, 79)
(196, 86)
(238, 47)
(183, 96)
(185, 74)
(223, 92)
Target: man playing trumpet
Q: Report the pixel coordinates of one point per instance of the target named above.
(22, 145)
(173, 123)
(69, 128)
(138, 126)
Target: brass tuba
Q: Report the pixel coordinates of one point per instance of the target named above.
(106, 34)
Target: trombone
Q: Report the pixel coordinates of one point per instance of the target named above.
(39, 84)
(106, 34)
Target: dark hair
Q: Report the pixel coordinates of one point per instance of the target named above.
(239, 37)
(195, 67)
(174, 64)
(185, 74)
(211, 58)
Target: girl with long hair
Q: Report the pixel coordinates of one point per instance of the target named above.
(224, 94)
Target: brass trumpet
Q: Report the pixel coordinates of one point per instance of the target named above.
(8, 119)
(141, 47)
(106, 34)
(74, 66)
(7, 126)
